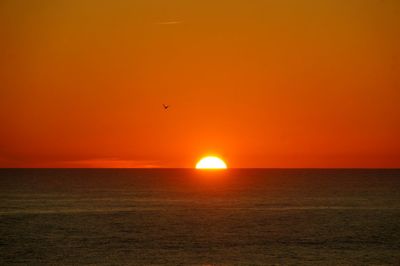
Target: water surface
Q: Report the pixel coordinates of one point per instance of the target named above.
(189, 217)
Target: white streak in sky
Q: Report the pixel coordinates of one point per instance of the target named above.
(169, 22)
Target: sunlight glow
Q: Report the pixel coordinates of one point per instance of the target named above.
(211, 162)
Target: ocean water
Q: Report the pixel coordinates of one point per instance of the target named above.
(189, 217)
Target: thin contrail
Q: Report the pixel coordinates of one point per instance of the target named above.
(168, 22)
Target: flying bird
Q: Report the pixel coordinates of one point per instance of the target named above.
(166, 106)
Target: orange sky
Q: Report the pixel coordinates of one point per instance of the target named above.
(288, 83)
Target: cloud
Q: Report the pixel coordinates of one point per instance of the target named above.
(112, 163)
(5, 162)
(84, 163)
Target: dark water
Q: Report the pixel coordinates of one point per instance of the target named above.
(188, 217)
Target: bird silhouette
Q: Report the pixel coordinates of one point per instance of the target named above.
(166, 106)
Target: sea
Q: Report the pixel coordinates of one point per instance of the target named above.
(195, 217)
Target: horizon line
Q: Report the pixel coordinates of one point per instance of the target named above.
(192, 168)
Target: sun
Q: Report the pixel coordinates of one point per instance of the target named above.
(211, 162)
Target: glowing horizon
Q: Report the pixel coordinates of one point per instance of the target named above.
(276, 84)
(211, 163)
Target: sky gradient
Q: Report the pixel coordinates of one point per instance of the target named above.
(261, 83)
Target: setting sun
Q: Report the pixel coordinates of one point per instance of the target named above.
(211, 162)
